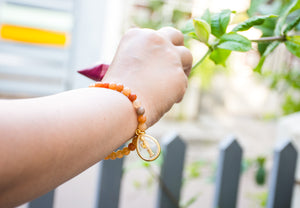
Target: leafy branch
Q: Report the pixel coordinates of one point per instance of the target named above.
(211, 29)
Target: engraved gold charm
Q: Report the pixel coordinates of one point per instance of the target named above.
(147, 146)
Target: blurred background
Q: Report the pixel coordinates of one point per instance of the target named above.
(43, 43)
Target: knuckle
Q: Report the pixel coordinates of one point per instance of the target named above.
(155, 38)
(173, 30)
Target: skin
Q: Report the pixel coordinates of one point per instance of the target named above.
(48, 140)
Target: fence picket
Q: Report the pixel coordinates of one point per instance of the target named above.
(173, 148)
(228, 174)
(45, 201)
(109, 185)
(282, 175)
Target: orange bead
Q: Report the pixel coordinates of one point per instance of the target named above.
(141, 119)
(106, 158)
(125, 151)
(119, 154)
(99, 84)
(113, 156)
(134, 141)
(137, 103)
(112, 86)
(105, 85)
(142, 126)
(132, 97)
(131, 147)
(126, 91)
(119, 87)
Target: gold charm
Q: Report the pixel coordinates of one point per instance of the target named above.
(147, 146)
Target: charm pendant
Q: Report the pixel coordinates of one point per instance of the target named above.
(147, 147)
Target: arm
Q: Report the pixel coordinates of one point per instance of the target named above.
(46, 141)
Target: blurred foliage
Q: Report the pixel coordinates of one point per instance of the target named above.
(152, 14)
(260, 175)
(278, 20)
(286, 81)
(279, 24)
(194, 169)
(191, 201)
(260, 198)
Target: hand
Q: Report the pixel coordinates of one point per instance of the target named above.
(155, 66)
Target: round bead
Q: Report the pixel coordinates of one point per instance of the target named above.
(98, 84)
(126, 91)
(141, 119)
(132, 97)
(113, 156)
(140, 111)
(137, 103)
(119, 154)
(142, 126)
(125, 151)
(134, 141)
(119, 87)
(112, 86)
(131, 147)
(106, 158)
(105, 85)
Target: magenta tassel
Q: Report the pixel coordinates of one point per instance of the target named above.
(95, 73)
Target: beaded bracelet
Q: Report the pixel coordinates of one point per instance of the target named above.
(146, 146)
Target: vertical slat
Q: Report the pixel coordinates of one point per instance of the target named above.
(109, 183)
(171, 171)
(283, 175)
(228, 174)
(45, 201)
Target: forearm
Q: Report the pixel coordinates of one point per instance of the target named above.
(46, 141)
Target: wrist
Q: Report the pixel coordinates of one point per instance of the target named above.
(140, 141)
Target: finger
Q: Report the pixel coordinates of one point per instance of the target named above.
(172, 34)
(182, 89)
(186, 59)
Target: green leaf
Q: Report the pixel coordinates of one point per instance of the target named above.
(189, 27)
(291, 25)
(255, 6)
(193, 35)
(268, 50)
(219, 23)
(234, 42)
(202, 30)
(252, 21)
(293, 45)
(267, 29)
(292, 7)
(296, 5)
(206, 16)
(190, 201)
(291, 105)
(219, 56)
